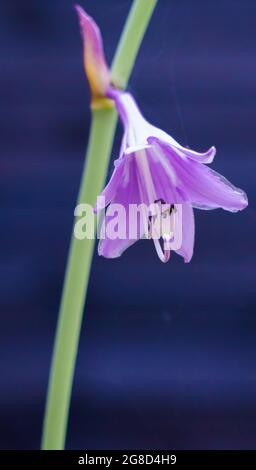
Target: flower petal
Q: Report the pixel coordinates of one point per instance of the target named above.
(94, 60)
(201, 157)
(118, 180)
(205, 188)
(135, 126)
(188, 233)
(205, 157)
(164, 178)
(125, 195)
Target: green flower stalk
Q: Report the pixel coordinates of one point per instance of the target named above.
(80, 255)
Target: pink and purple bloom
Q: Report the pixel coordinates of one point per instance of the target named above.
(153, 167)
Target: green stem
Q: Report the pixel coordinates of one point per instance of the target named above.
(130, 40)
(80, 254)
(75, 286)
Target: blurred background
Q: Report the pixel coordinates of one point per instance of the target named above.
(167, 353)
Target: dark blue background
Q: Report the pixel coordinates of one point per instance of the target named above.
(167, 353)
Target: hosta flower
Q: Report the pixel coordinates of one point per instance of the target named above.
(153, 169)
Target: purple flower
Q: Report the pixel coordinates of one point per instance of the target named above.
(153, 167)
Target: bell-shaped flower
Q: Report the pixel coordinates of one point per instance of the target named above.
(153, 167)
(152, 170)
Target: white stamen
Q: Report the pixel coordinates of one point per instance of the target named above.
(141, 160)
